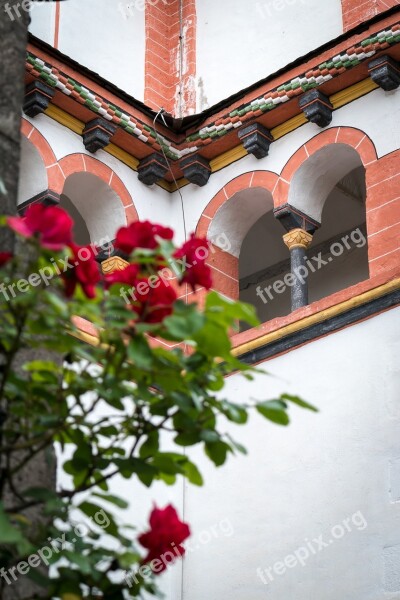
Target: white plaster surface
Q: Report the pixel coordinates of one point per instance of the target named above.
(391, 558)
(33, 176)
(301, 482)
(395, 480)
(103, 35)
(239, 43)
(100, 207)
(43, 21)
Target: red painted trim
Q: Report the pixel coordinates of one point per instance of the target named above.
(57, 25)
(82, 163)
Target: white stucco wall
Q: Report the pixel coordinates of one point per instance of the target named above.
(32, 173)
(43, 21)
(298, 484)
(239, 43)
(106, 36)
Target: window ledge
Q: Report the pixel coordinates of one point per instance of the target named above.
(320, 318)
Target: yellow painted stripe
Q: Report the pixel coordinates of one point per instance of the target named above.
(353, 92)
(65, 119)
(123, 156)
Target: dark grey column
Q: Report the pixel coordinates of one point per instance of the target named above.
(298, 241)
(300, 228)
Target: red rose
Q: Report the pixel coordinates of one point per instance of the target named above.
(198, 275)
(127, 276)
(4, 258)
(163, 540)
(153, 304)
(51, 224)
(141, 234)
(193, 254)
(84, 271)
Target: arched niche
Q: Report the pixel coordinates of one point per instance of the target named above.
(236, 216)
(96, 209)
(341, 241)
(32, 173)
(318, 176)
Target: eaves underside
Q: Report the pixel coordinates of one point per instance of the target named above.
(339, 70)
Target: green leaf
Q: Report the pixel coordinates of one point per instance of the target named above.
(8, 533)
(213, 340)
(140, 352)
(185, 321)
(231, 310)
(112, 499)
(192, 473)
(150, 446)
(217, 452)
(234, 412)
(299, 402)
(236, 444)
(188, 438)
(209, 436)
(82, 561)
(42, 365)
(91, 510)
(274, 410)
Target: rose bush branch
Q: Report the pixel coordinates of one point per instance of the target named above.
(113, 407)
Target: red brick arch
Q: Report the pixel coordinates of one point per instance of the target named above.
(30, 132)
(264, 179)
(349, 136)
(58, 171)
(225, 266)
(82, 163)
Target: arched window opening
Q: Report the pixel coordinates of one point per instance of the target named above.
(96, 209)
(264, 261)
(280, 275)
(80, 230)
(339, 250)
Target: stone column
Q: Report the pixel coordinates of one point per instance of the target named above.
(300, 228)
(298, 241)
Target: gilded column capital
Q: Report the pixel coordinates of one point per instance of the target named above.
(297, 238)
(114, 263)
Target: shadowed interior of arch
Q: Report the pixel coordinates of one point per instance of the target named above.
(96, 209)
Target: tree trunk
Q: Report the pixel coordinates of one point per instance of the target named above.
(13, 40)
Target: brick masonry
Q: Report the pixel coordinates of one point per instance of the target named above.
(383, 213)
(358, 11)
(170, 67)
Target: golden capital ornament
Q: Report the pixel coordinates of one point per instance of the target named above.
(297, 238)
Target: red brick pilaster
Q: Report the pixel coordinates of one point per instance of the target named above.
(170, 68)
(383, 213)
(357, 11)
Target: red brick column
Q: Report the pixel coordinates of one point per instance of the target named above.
(357, 11)
(170, 64)
(383, 213)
